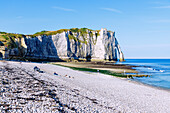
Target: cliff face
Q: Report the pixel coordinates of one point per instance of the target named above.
(92, 44)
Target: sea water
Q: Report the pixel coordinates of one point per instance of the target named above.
(159, 69)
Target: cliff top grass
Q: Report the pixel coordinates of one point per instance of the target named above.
(4, 36)
(82, 31)
(73, 30)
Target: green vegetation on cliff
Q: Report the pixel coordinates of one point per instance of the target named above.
(8, 39)
(3, 32)
(41, 33)
(81, 31)
(74, 30)
(72, 37)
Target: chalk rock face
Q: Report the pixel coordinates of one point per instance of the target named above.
(99, 49)
(94, 44)
(47, 47)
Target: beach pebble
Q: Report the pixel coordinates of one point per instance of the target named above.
(23, 90)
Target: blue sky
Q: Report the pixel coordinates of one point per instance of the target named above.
(142, 26)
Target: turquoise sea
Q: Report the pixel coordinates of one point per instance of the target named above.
(159, 69)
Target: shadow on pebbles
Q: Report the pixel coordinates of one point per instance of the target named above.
(23, 91)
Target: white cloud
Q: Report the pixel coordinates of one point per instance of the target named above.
(159, 3)
(63, 9)
(160, 21)
(162, 7)
(147, 58)
(164, 3)
(147, 46)
(111, 9)
(156, 2)
(158, 31)
(19, 17)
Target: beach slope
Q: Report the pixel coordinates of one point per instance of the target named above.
(65, 90)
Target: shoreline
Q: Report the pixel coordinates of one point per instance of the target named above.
(129, 65)
(91, 92)
(148, 85)
(132, 80)
(123, 69)
(154, 67)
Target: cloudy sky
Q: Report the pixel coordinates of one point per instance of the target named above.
(142, 26)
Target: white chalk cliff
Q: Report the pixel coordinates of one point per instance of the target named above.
(69, 45)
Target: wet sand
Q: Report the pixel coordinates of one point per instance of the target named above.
(25, 90)
(118, 68)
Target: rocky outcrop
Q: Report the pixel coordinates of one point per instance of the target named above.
(100, 45)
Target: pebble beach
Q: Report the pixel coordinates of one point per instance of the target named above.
(62, 90)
